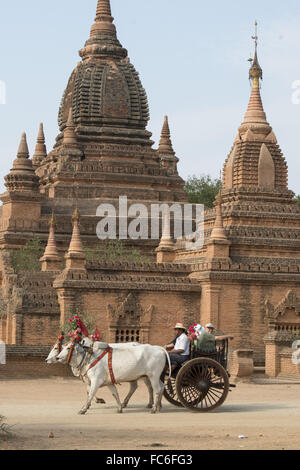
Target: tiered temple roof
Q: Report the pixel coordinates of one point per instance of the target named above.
(261, 219)
(256, 164)
(103, 150)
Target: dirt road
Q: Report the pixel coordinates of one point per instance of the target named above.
(268, 415)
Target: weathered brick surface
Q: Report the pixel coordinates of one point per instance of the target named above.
(104, 151)
(29, 362)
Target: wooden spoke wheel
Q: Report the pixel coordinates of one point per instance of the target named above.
(170, 393)
(202, 385)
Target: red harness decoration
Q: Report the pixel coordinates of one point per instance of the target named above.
(70, 354)
(109, 352)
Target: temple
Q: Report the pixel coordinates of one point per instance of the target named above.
(249, 263)
(103, 150)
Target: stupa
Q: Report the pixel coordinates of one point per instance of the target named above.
(103, 150)
(251, 254)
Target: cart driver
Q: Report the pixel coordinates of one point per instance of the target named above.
(179, 349)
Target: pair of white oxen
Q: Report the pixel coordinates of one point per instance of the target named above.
(130, 362)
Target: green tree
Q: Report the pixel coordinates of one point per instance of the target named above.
(298, 199)
(202, 189)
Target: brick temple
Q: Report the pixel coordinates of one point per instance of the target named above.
(246, 277)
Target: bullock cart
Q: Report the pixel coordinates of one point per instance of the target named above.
(202, 383)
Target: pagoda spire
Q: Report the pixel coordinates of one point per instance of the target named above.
(255, 146)
(218, 232)
(103, 21)
(165, 143)
(165, 150)
(40, 150)
(255, 118)
(75, 258)
(165, 251)
(51, 248)
(76, 245)
(51, 261)
(218, 245)
(103, 41)
(23, 151)
(103, 10)
(69, 132)
(23, 163)
(22, 200)
(166, 239)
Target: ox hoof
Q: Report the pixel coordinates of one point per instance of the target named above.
(150, 406)
(120, 410)
(100, 400)
(82, 412)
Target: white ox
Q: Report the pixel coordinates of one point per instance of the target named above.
(87, 343)
(129, 364)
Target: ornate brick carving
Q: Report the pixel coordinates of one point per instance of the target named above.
(130, 315)
(289, 302)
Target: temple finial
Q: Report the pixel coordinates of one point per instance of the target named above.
(103, 10)
(51, 261)
(255, 72)
(70, 137)
(75, 258)
(76, 215)
(104, 20)
(165, 143)
(40, 149)
(165, 250)
(52, 220)
(255, 118)
(23, 151)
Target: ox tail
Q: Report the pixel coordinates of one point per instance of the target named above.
(168, 357)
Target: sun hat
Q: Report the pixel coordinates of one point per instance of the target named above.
(210, 325)
(179, 326)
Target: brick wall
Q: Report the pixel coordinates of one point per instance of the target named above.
(239, 309)
(168, 308)
(29, 362)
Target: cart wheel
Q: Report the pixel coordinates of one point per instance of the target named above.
(202, 385)
(170, 389)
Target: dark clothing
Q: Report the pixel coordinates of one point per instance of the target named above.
(178, 359)
(206, 343)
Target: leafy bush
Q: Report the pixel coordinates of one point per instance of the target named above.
(202, 190)
(28, 258)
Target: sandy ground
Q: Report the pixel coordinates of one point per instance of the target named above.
(268, 415)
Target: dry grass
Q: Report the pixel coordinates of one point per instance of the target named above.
(5, 429)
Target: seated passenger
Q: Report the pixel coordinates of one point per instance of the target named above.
(179, 349)
(206, 341)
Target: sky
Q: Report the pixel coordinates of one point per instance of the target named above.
(192, 58)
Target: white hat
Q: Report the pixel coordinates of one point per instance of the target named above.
(210, 325)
